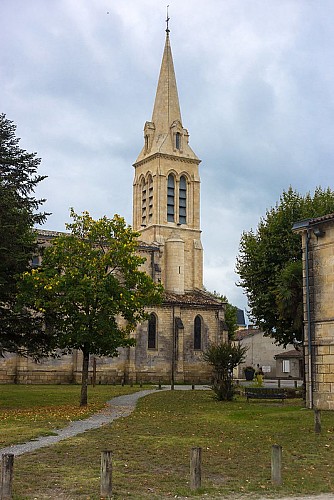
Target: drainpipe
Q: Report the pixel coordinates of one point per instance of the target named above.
(173, 350)
(308, 309)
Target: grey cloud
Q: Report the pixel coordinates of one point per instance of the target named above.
(256, 85)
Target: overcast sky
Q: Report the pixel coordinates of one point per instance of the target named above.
(256, 88)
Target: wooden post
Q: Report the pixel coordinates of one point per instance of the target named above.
(7, 466)
(195, 468)
(192, 386)
(296, 384)
(106, 475)
(279, 383)
(276, 464)
(317, 421)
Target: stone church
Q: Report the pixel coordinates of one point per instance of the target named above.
(166, 213)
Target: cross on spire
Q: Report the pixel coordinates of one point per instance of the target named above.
(168, 18)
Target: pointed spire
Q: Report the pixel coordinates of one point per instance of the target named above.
(166, 106)
(165, 133)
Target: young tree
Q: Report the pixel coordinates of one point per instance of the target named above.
(224, 358)
(18, 215)
(89, 289)
(269, 264)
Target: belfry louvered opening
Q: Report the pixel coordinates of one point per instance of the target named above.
(183, 200)
(171, 198)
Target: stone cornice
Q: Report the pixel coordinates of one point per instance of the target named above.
(149, 158)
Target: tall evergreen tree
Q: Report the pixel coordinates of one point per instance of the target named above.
(269, 264)
(18, 215)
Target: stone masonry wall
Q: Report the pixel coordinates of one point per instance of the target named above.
(321, 287)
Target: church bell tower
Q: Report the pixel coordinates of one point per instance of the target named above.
(166, 188)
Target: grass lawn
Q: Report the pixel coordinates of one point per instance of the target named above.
(28, 411)
(151, 451)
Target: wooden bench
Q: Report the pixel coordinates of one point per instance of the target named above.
(265, 393)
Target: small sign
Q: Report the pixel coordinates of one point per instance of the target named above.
(266, 369)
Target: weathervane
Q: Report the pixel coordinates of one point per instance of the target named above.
(167, 29)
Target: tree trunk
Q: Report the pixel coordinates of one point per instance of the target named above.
(84, 380)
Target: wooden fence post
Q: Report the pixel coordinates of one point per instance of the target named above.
(195, 468)
(106, 475)
(317, 421)
(7, 466)
(276, 464)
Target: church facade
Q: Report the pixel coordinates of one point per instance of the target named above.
(166, 214)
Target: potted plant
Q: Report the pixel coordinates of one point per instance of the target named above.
(249, 372)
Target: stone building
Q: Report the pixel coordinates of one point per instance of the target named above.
(289, 364)
(318, 276)
(166, 213)
(263, 351)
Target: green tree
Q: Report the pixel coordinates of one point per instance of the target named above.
(269, 264)
(231, 315)
(89, 289)
(223, 358)
(18, 215)
(289, 295)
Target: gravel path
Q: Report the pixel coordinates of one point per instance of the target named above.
(118, 407)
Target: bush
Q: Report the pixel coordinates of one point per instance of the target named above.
(224, 358)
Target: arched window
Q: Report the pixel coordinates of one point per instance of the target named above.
(178, 140)
(198, 333)
(143, 203)
(183, 200)
(152, 332)
(170, 198)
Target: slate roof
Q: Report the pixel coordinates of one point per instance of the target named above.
(47, 234)
(241, 317)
